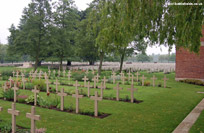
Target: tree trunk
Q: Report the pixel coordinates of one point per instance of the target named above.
(69, 63)
(122, 59)
(101, 61)
(36, 63)
(91, 62)
(61, 59)
(39, 63)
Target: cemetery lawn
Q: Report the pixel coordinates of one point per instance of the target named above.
(161, 111)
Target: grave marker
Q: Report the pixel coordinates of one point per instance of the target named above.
(153, 80)
(49, 72)
(1, 109)
(165, 79)
(117, 88)
(77, 96)
(35, 91)
(14, 113)
(15, 89)
(85, 79)
(47, 84)
(137, 76)
(96, 99)
(10, 81)
(62, 95)
(33, 118)
(132, 89)
(113, 76)
(13, 73)
(64, 72)
(143, 78)
(88, 87)
(129, 75)
(23, 81)
(97, 77)
(94, 79)
(76, 84)
(101, 87)
(57, 83)
(104, 80)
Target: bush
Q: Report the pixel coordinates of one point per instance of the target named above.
(30, 99)
(5, 77)
(193, 81)
(49, 103)
(29, 86)
(7, 73)
(78, 76)
(40, 84)
(9, 94)
(146, 83)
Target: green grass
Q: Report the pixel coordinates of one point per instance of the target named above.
(161, 111)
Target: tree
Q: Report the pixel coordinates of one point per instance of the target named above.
(64, 26)
(86, 48)
(34, 32)
(143, 57)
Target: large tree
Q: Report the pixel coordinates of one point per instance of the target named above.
(33, 35)
(65, 20)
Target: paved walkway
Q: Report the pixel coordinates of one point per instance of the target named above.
(188, 122)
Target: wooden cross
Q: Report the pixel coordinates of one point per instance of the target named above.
(104, 80)
(49, 72)
(47, 83)
(45, 76)
(77, 100)
(14, 113)
(10, 81)
(87, 71)
(5, 88)
(132, 89)
(35, 91)
(33, 118)
(117, 88)
(97, 76)
(113, 76)
(34, 76)
(62, 95)
(165, 79)
(57, 83)
(96, 99)
(143, 78)
(85, 79)
(64, 72)
(129, 75)
(39, 76)
(17, 74)
(93, 72)
(15, 89)
(54, 72)
(101, 87)
(153, 80)
(23, 81)
(59, 73)
(88, 86)
(137, 76)
(1, 109)
(121, 75)
(76, 85)
(69, 75)
(22, 75)
(132, 82)
(94, 79)
(13, 73)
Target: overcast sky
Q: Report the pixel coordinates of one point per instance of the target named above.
(11, 11)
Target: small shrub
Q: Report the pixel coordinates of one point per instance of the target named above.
(29, 86)
(78, 76)
(40, 84)
(30, 99)
(193, 81)
(127, 98)
(7, 73)
(146, 83)
(5, 77)
(9, 94)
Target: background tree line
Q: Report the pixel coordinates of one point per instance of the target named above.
(58, 31)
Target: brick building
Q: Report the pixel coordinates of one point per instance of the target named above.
(190, 65)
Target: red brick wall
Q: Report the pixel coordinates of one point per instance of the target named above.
(190, 65)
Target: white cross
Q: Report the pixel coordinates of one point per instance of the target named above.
(165, 79)
(47, 83)
(104, 80)
(96, 99)
(76, 85)
(15, 89)
(85, 79)
(143, 78)
(137, 76)
(33, 118)
(62, 95)
(117, 88)
(153, 80)
(77, 100)
(94, 79)
(88, 86)
(132, 89)
(56, 83)
(101, 87)
(23, 81)
(35, 91)
(14, 113)
(97, 76)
